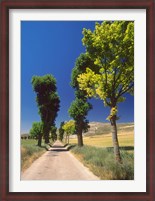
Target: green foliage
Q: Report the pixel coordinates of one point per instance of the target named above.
(79, 108)
(43, 84)
(102, 162)
(61, 131)
(111, 47)
(36, 130)
(78, 111)
(47, 99)
(82, 62)
(69, 127)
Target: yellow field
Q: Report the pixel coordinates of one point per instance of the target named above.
(125, 139)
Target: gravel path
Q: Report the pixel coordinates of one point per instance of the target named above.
(57, 164)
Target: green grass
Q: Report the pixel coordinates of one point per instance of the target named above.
(30, 152)
(102, 163)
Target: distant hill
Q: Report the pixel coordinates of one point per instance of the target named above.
(97, 128)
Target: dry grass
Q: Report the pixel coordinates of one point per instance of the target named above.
(28, 160)
(102, 163)
(97, 154)
(125, 139)
(29, 153)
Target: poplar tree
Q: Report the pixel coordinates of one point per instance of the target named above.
(47, 100)
(80, 107)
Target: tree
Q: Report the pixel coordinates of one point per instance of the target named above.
(53, 133)
(61, 131)
(47, 100)
(111, 47)
(78, 111)
(69, 128)
(37, 131)
(79, 107)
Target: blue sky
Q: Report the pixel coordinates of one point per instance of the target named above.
(51, 47)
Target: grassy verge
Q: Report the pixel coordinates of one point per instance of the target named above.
(102, 163)
(30, 152)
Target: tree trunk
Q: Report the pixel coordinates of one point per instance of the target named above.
(80, 137)
(46, 135)
(115, 139)
(39, 140)
(68, 139)
(47, 139)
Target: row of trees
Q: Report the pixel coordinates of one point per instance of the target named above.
(105, 71)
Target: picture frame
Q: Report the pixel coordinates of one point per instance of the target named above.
(149, 195)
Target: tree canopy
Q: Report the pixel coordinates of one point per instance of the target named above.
(37, 131)
(69, 128)
(79, 109)
(111, 48)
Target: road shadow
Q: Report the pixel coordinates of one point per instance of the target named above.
(71, 146)
(44, 147)
(65, 145)
(56, 146)
(61, 148)
(127, 148)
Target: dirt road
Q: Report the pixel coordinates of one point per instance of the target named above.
(58, 164)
